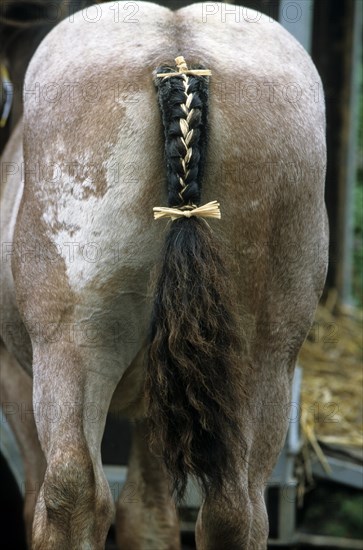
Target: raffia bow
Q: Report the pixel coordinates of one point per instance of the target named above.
(209, 210)
(183, 69)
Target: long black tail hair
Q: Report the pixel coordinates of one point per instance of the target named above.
(193, 374)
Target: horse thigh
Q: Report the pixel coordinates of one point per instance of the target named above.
(74, 508)
(146, 516)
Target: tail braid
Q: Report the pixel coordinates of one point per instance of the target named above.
(187, 135)
(183, 103)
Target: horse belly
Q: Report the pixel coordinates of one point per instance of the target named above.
(12, 329)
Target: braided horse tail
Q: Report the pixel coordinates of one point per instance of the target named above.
(192, 379)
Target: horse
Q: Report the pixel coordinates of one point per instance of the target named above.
(189, 324)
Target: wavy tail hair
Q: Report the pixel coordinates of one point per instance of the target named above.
(193, 374)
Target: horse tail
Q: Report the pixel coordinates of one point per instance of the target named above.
(193, 375)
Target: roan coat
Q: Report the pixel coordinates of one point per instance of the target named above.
(82, 174)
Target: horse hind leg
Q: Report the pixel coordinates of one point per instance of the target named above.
(16, 400)
(239, 523)
(146, 516)
(74, 508)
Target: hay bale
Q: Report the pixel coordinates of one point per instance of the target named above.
(331, 394)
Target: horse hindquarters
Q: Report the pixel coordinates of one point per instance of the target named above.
(271, 290)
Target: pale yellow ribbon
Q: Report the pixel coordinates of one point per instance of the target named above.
(183, 69)
(209, 210)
